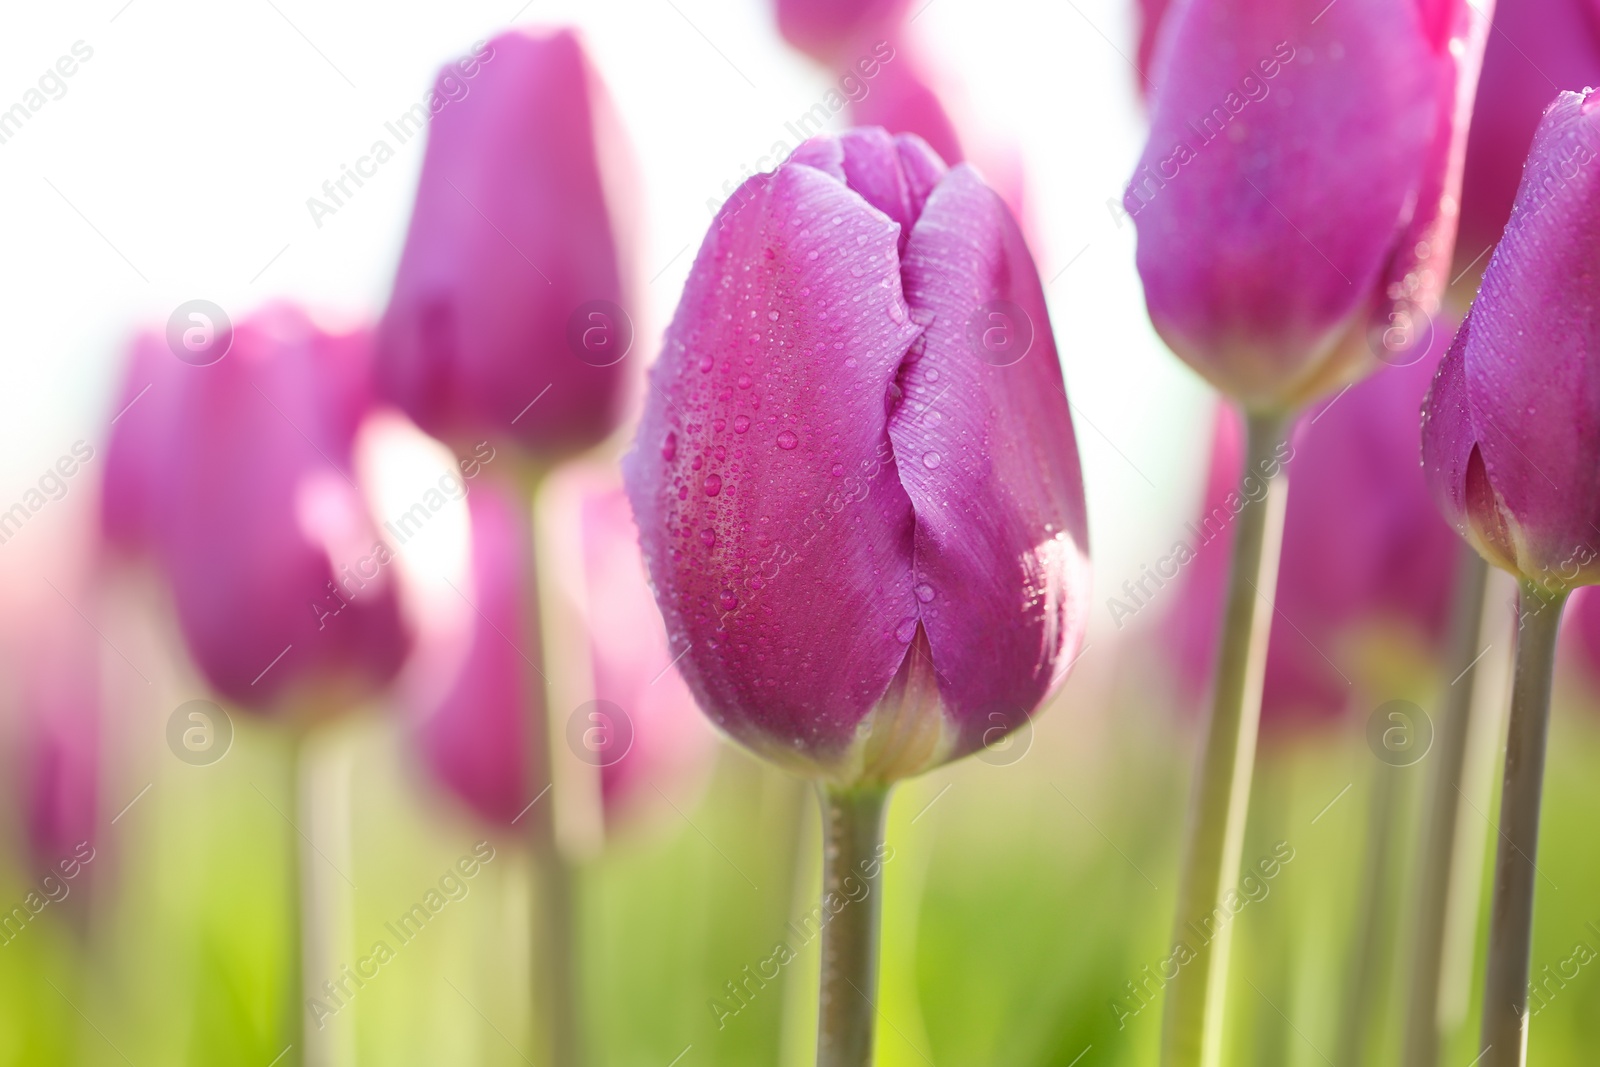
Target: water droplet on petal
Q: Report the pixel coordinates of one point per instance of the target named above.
(708, 537)
(713, 484)
(930, 460)
(705, 364)
(772, 316)
(787, 440)
(669, 447)
(741, 423)
(906, 630)
(838, 470)
(727, 600)
(924, 590)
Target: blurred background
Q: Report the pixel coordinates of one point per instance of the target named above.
(1031, 887)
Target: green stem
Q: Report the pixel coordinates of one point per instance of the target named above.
(300, 893)
(1505, 988)
(1366, 966)
(852, 872)
(1192, 1028)
(1435, 879)
(557, 986)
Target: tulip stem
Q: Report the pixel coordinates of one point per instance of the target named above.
(1505, 987)
(1435, 879)
(852, 874)
(557, 978)
(1192, 1027)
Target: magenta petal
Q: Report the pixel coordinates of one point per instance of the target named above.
(475, 739)
(775, 530)
(60, 739)
(987, 456)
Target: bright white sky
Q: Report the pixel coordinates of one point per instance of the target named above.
(178, 163)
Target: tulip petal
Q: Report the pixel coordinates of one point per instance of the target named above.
(987, 455)
(775, 530)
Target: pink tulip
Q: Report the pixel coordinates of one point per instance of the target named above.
(1511, 428)
(513, 280)
(857, 486)
(826, 30)
(278, 574)
(1365, 557)
(60, 713)
(1581, 630)
(474, 739)
(1295, 202)
(1537, 47)
(900, 99)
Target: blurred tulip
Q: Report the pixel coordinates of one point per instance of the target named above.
(1296, 200)
(1511, 428)
(514, 280)
(846, 364)
(1366, 562)
(900, 99)
(59, 752)
(1151, 12)
(128, 494)
(1582, 631)
(1537, 48)
(475, 739)
(277, 572)
(827, 29)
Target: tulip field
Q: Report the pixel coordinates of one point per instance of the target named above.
(671, 533)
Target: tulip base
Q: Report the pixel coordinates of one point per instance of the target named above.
(1192, 1024)
(852, 873)
(1505, 987)
(1432, 905)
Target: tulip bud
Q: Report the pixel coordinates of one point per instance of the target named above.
(1366, 572)
(474, 738)
(1537, 47)
(278, 575)
(827, 29)
(856, 482)
(1511, 427)
(514, 280)
(1296, 200)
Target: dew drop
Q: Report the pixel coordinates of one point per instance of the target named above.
(744, 381)
(838, 470)
(924, 591)
(713, 484)
(929, 459)
(669, 447)
(727, 600)
(705, 364)
(741, 423)
(906, 630)
(787, 440)
(708, 537)
(896, 312)
(772, 316)
(718, 425)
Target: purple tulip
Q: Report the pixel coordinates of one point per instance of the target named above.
(1366, 560)
(513, 279)
(1582, 630)
(128, 493)
(1298, 189)
(826, 30)
(474, 738)
(60, 712)
(279, 577)
(1511, 428)
(1537, 47)
(856, 480)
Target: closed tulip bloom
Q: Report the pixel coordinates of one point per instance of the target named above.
(1295, 203)
(1511, 429)
(279, 577)
(1537, 47)
(1366, 570)
(827, 29)
(514, 277)
(866, 535)
(474, 738)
